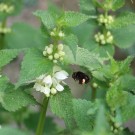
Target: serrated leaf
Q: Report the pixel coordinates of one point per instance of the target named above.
(81, 108)
(61, 105)
(7, 55)
(84, 58)
(23, 36)
(87, 59)
(116, 4)
(12, 131)
(12, 99)
(128, 111)
(86, 6)
(72, 42)
(34, 64)
(71, 19)
(124, 36)
(123, 20)
(115, 97)
(46, 18)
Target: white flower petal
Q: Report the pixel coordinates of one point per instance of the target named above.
(37, 87)
(48, 80)
(45, 90)
(59, 87)
(61, 75)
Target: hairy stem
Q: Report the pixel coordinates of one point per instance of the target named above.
(40, 127)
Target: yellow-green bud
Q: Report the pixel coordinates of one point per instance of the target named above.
(53, 91)
(56, 56)
(50, 57)
(49, 50)
(55, 61)
(60, 47)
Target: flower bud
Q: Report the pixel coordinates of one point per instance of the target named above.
(44, 53)
(61, 34)
(61, 53)
(60, 47)
(50, 57)
(55, 61)
(52, 33)
(49, 50)
(56, 56)
(53, 91)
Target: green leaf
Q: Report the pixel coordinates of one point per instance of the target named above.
(123, 20)
(34, 64)
(128, 111)
(115, 97)
(72, 42)
(12, 99)
(87, 6)
(7, 55)
(46, 18)
(84, 58)
(87, 59)
(81, 108)
(124, 36)
(101, 123)
(23, 36)
(61, 105)
(12, 131)
(116, 4)
(50, 128)
(71, 19)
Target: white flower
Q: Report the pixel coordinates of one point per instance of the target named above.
(61, 75)
(50, 57)
(59, 87)
(45, 90)
(0, 75)
(48, 80)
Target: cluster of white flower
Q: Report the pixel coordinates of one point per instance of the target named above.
(4, 30)
(106, 20)
(54, 52)
(51, 84)
(104, 38)
(56, 33)
(5, 8)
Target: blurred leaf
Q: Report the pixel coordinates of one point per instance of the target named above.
(7, 55)
(124, 36)
(87, 6)
(50, 128)
(116, 4)
(61, 105)
(123, 20)
(128, 111)
(24, 36)
(12, 131)
(81, 108)
(34, 64)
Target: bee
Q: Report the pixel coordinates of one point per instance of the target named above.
(81, 77)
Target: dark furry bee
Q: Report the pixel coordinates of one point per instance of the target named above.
(81, 77)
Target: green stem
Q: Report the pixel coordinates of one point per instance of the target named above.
(41, 122)
(2, 36)
(94, 92)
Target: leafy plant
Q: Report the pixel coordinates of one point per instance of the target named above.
(86, 39)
